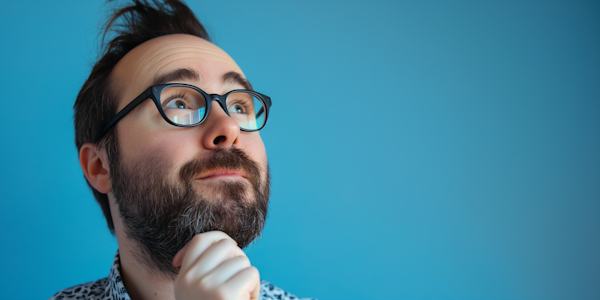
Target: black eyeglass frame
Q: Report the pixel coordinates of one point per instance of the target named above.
(154, 92)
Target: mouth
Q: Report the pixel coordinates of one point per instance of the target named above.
(221, 173)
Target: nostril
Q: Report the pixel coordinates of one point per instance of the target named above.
(219, 139)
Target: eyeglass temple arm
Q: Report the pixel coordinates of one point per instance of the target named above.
(260, 112)
(133, 104)
(267, 103)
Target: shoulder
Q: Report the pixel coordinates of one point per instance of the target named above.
(269, 291)
(95, 290)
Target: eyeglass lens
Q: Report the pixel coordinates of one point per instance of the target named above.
(187, 106)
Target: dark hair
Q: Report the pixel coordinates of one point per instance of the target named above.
(131, 25)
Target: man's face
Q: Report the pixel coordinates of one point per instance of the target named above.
(169, 182)
(143, 132)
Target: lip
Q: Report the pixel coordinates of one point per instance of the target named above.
(221, 173)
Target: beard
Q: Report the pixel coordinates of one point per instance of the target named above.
(162, 216)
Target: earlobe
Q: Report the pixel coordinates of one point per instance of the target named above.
(94, 165)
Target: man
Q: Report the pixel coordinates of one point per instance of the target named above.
(167, 132)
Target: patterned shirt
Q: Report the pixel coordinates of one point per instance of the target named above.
(112, 288)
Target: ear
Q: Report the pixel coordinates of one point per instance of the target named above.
(94, 164)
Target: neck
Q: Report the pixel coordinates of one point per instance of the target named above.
(141, 282)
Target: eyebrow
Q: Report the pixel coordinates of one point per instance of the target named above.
(191, 75)
(235, 77)
(177, 75)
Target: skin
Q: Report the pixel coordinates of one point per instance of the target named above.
(212, 266)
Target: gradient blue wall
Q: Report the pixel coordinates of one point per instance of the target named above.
(419, 150)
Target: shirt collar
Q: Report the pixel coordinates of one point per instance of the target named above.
(115, 285)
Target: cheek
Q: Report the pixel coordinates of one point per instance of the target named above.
(138, 131)
(146, 146)
(255, 148)
(176, 146)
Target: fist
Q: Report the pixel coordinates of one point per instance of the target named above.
(213, 267)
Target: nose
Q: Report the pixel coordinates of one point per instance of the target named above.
(220, 130)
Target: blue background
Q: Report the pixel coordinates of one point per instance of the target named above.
(419, 150)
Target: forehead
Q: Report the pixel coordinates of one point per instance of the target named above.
(137, 70)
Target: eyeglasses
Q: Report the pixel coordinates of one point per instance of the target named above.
(185, 105)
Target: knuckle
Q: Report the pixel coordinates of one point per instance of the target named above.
(198, 239)
(222, 293)
(227, 243)
(243, 259)
(224, 241)
(204, 282)
(185, 281)
(254, 270)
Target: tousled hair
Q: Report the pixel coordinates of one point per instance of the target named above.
(130, 25)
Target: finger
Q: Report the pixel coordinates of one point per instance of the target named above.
(226, 270)
(198, 245)
(245, 283)
(215, 255)
(178, 258)
(255, 293)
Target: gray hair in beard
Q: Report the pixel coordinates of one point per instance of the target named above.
(162, 216)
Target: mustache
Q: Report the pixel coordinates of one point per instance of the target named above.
(221, 158)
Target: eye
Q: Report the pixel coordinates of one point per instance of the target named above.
(177, 104)
(237, 108)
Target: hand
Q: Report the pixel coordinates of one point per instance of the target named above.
(213, 267)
